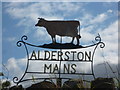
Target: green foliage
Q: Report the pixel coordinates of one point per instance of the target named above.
(1, 74)
(33, 79)
(0, 84)
(6, 84)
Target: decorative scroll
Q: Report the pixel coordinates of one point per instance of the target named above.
(58, 46)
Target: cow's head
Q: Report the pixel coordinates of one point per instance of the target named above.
(41, 22)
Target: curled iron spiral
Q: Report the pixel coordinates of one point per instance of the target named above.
(102, 45)
(24, 38)
(15, 80)
(19, 43)
(98, 39)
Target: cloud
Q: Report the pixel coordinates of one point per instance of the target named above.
(11, 39)
(110, 11)
(109, 36)
(92, 25)
(110, 32)
(42, 9)
(89, 19)
(41, 33)
(15, 67)
(103, 70)
(60, 1)
(99, 18)
(0, 35)
(28, 14)
(68, 8)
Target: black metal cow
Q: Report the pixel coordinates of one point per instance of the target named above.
(61, 28)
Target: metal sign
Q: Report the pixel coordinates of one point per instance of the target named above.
(59, 53)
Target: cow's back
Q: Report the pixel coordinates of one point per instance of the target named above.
(66, 23)
(62, 28)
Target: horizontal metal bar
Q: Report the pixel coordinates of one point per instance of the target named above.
(61, 60)
(42, 78)
(61, 73)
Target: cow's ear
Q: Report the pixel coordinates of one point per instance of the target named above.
(39, 18)
(42, 18)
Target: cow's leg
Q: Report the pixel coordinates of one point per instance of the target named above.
(78, 37)
(53, 39)
(77, 41)
(72, 39)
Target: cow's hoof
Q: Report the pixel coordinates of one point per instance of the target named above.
(54, 43)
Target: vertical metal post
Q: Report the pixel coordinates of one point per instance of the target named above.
(59, 80)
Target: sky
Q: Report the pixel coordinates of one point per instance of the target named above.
(0, 35)
(19, 18)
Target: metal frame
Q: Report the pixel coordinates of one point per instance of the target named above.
(22, 42)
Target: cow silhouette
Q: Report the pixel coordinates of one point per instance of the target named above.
(61, 28)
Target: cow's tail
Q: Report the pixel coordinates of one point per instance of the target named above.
(79, 31)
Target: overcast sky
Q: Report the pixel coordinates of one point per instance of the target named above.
(19, 18)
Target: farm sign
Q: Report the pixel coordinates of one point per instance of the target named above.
(59, 58)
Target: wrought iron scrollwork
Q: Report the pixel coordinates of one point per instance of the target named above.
(15, 80)
(19, 43)
(102, 45)
(98, 39)
(97, 42)
(24, 38)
